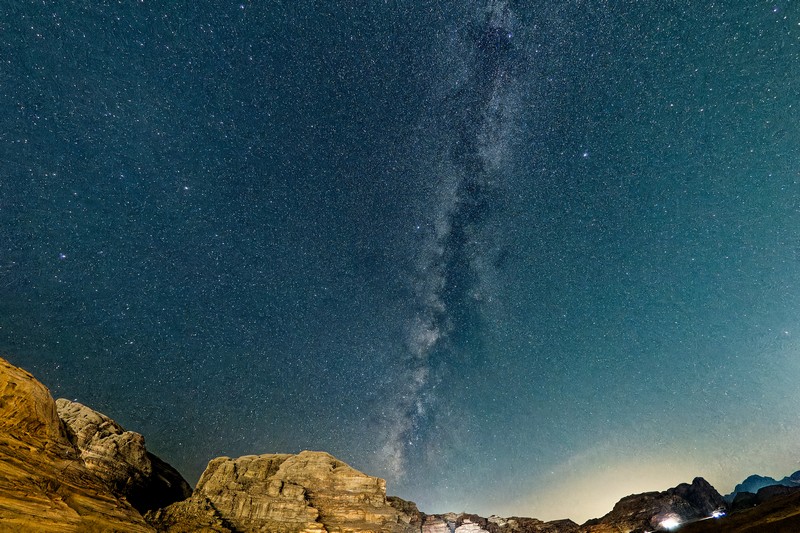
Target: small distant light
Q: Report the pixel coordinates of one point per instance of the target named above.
(670, 523)
(717, 514)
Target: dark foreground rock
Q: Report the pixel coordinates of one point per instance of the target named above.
(657, 510)
(779, 514)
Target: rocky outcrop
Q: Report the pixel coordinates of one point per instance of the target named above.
(303, 493)
(656, 510)
(532, 525)
(120, 459)
(66, 468)
(314, 492)
(44, 484)
(470, 523)
(408, 511)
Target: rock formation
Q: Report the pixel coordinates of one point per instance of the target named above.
(314, 492)
(308, 492)
(470, 523)
(655, 510)
(120, 459)
(44, 484)
(67, 468)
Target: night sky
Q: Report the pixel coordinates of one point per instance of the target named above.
(521, 258)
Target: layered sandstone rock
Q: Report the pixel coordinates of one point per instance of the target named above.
(303, 493)
(44, 484)
(120, 459)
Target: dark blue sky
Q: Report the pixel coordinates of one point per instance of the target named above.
(490, 250)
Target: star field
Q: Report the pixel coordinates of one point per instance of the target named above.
(493, 251)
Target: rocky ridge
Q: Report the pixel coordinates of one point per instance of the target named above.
(755, 483)
(658, 510)
(67, 468)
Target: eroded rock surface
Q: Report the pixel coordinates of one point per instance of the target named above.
(120, 459)
(303, 493)
(44, 484)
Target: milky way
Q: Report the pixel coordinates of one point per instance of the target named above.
(467, 127)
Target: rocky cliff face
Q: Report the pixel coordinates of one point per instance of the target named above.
(656, 510)
(120, 459)
(308, 492)
(44, 484)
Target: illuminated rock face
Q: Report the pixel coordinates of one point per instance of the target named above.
(44, 484)
(660, 510)
(310, 491)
